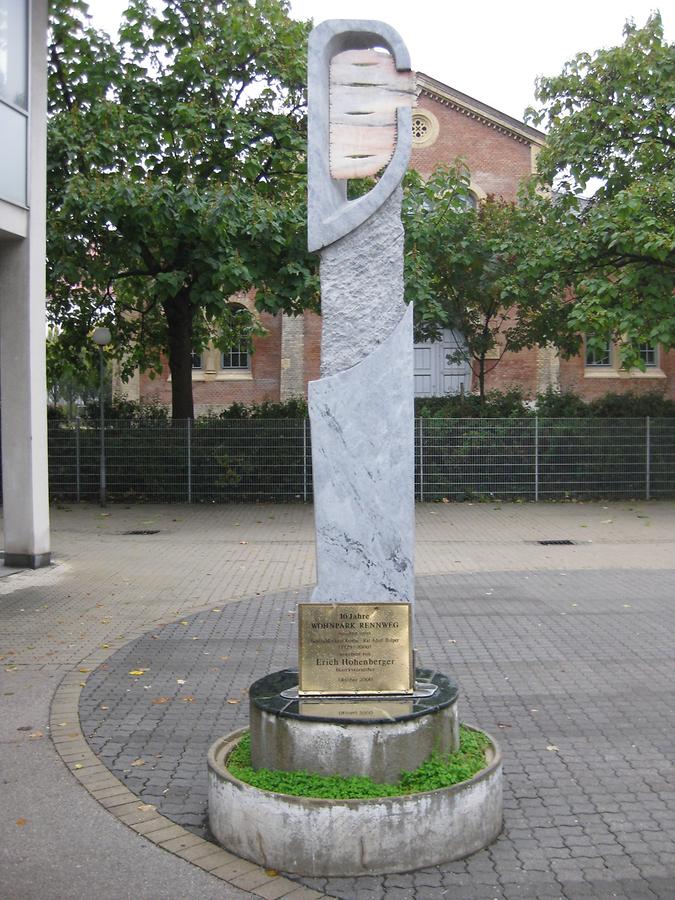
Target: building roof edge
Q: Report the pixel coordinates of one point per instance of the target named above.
(476, 107)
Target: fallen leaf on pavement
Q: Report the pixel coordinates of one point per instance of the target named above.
(187, 699)
(21, 822)
(138, 762)
(36, 734)
(159, 700)
(137, 672)
(78, 766)
(146, 807)
(85, 670)
(233, 701)
(271, 872)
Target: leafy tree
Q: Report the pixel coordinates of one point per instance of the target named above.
(610, 116)
(176, 166)
(471, 270)
(73, 380)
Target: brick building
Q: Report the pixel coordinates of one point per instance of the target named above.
(499, 152)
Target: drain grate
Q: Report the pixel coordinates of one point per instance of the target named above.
(557, 543)
(143, 531)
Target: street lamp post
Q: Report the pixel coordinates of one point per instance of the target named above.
(101, 337)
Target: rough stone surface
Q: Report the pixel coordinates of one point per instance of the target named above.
(307, 836)
(363, 469)
(362, 289)
(381, 751)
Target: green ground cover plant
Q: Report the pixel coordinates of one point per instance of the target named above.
(439, 771)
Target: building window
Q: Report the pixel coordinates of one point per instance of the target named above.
(14, 100)
(238, 356)
(420, 126)
(424, 128)
(197, 361)
(599, 357)
(649, 355)
(235, 358)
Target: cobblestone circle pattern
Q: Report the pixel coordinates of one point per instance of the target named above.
(571, 672)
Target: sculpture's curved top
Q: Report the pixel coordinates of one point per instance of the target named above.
(359, 121)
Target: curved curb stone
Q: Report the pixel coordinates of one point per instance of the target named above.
(315, 837)
(71, 745)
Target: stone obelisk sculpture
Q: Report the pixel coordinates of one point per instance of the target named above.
(353, 706)
(361, 409)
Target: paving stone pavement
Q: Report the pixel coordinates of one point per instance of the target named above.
(563, 652)
(574, 680)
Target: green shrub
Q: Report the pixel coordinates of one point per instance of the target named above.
(56, 414)
(567, 405)
(295, 408)
(633, 406)
(497, 405)
(438, 771)
(127, 410)
(628, 405)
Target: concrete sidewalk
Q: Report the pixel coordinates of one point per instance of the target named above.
(483, 576)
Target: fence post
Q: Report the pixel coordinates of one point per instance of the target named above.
(421, 421)
(189, 459)
(77, 458)
(304, 460)
(648, 453)
(536, 458)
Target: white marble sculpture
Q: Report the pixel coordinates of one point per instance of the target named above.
(361, 409)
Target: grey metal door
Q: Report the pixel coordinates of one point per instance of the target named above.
(436, 374)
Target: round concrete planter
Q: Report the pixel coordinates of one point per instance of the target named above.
(308, 836)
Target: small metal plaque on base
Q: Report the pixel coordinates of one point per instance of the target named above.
(364, 708)
(355, 648)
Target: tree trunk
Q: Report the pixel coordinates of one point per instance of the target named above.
(481, 377)
(179, 314)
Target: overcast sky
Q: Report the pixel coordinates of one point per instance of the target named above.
(490, 49)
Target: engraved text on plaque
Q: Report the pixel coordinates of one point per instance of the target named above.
(355, 648)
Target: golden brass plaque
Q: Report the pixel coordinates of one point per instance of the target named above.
(355, 648)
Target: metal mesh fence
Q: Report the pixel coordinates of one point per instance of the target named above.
(661, 457)
(250, 460)
(270, 459)
(593, 457)
(461, 458)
